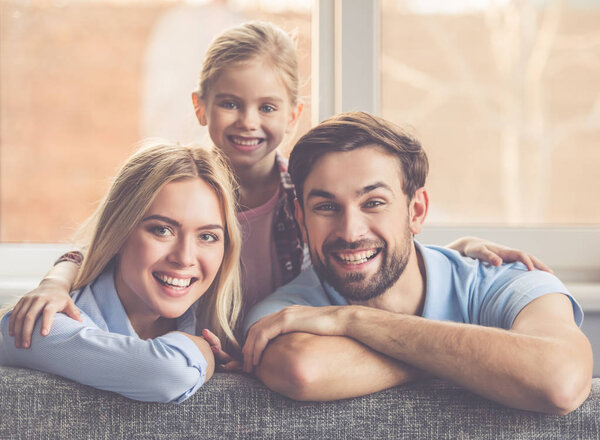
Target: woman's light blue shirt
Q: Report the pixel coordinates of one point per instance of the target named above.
(105, 352)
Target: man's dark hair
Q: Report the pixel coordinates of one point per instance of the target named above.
(349, 131)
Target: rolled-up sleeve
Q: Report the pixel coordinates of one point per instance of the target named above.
(169, 368)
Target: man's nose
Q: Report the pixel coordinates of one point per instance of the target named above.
(352, 226)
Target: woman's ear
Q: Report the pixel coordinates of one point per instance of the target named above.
(294, 117)
(418, 210)
(199, 108)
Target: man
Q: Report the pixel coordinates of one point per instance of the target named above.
(378, 309)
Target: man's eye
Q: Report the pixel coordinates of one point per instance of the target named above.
(374, 203)
(208, 238)
(162, 231)
(325, 207)
(267, 108)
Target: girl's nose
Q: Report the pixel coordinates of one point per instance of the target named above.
(249, 119)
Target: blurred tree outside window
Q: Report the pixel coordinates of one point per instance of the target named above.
(505, 96)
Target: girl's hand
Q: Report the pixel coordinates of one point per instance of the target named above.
(50, 297)
(223, 360)
(495, 254)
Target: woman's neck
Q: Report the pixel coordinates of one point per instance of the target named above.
(150, 327)
(257, 185)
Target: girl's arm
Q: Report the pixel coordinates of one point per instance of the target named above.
(169, 368)
(494, 253)
(50, 297)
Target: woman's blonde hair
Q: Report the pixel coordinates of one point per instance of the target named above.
(247, 42)
(128, 199)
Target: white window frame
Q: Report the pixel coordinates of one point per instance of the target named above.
(346, 77)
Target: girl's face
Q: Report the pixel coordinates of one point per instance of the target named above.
(248, 112)
(171, 258)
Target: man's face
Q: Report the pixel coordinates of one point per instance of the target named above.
(357, 221)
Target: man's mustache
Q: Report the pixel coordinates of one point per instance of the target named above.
(340, 244)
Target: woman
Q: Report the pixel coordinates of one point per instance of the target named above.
(162, 264)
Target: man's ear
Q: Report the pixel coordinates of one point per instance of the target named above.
(417, 210)
(300, 219)
(199, 108)
(294, 117)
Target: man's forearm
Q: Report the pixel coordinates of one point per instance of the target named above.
(304, 366)
(517, 369)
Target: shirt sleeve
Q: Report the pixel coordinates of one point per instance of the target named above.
(169, 368)
(512, 287)
(305, 289)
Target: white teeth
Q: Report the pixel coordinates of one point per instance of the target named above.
(177, 282)
(244, 141)
(356, 257)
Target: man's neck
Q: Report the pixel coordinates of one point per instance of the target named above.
(407, 295)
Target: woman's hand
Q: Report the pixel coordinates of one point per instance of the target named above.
(223, 360)
(495, 254)
(50, 297)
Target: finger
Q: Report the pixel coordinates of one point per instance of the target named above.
(232, 366)
(211, 338)
(247, 351)
(72, 311)
(47, 320)
(261, 343)
(12, 319)
(539, 264)
(525, 259)
(20, 322)
(221, 355)
(29, 322)
(490, 257)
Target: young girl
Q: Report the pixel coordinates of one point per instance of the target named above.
(162, 263)
(248, 99)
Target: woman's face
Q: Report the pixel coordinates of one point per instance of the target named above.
(172, 256)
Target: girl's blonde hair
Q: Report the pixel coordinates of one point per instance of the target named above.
(128, 199)
(247, 42)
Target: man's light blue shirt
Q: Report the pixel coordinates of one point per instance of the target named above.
(105, 352)
(458, 289)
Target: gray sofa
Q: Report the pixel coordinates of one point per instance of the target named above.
(36, 405)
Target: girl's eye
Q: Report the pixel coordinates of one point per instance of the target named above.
(161, 231)
(230, 105)
(208, 238)
(267, 108)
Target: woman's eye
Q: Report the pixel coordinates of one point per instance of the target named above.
(208, 238)
(162, 231)
(267, 108)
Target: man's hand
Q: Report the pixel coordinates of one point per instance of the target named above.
(323, 321)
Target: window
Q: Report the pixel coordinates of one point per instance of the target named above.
(81, 83)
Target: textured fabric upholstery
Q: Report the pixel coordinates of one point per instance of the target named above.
(36, 405)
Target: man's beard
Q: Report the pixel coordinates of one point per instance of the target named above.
(357, 286)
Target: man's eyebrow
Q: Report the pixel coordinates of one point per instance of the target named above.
(373, 187)
(175, 223)
(320, 193)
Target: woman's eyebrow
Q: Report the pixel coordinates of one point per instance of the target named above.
(175, 223)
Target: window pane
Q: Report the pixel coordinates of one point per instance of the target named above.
(505, 96)
(81, 83)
